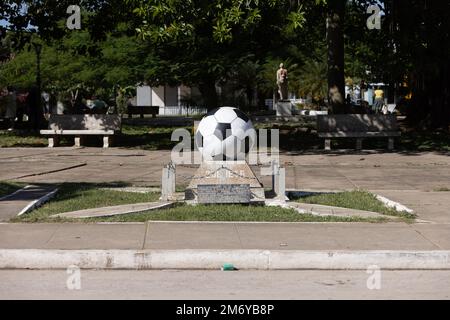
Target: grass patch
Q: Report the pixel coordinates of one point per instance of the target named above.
(358, 199)
(294, 136)
(441, 189)
(73, 197)
(426, 141)
(148, 138)
(19, 139)
(7, 188)
(183, 212)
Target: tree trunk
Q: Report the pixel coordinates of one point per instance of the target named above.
(209, 94)
(335, 41)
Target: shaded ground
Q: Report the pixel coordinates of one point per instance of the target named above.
(298, 136)
(139, 137)
(7, 188)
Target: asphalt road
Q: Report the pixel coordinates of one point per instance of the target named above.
(63, 284)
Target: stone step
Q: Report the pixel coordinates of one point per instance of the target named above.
(115, 210)
(322, 210)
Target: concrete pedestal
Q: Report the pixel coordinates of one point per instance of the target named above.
(284, 109)
(220, 179)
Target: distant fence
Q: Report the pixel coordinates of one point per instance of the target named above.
(182, 111)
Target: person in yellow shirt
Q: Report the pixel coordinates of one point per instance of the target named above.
(379, 100)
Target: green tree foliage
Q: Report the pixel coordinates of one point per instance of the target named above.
(207, 41)
(119, 60)
(203, 43)
(313, 81)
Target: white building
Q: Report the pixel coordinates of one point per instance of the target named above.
(170, 100)
(164, 96)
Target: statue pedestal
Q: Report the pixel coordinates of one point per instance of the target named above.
(220, 182)
(284, 109)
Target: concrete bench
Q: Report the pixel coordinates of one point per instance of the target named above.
(357, 126)
(142, 110)
(80, 126)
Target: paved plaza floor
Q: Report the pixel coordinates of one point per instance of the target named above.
(409, 178)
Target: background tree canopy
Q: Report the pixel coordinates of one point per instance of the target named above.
(239, 42)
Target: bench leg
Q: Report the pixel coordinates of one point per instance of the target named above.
(53, 141)
(391, 144)
(78, 142)
(328, 144)
(106, 141)
(358, 144)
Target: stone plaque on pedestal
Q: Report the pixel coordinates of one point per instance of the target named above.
(284, 109)
(223, 193)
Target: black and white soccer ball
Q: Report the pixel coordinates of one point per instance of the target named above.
(225, 133)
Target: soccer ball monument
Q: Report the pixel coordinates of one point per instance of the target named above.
(225, 134)
(224, 137)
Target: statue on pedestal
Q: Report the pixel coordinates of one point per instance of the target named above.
(282, 82)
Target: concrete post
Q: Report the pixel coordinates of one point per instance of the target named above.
(278, 181)
(53, 141)
(106, 141)
(391, 144)
(78, 141)
(281, 192)
(168, 182)
(328, 144)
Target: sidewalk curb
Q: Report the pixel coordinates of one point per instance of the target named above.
(393, 204)
(214, 259)
(38, 202)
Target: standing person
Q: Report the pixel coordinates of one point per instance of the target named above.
(121, 102)
(379, 100)
(11, 107)
(282, 82)
(45, 96)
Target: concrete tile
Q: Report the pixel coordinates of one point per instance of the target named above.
(438, 234)
(331, 236)
(98, 236)
(429, 206)
(192, 236)
(26, 236)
